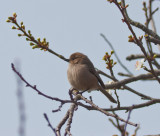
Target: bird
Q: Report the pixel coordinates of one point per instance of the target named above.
(82, 75)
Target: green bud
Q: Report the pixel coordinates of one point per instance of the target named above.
(155, 55)
(21, 23)
(112, 52)
(44, 40)
(23, 27)
(111, 61)
(115, 63)
(10, 18)
(13, 27)
(36, 46)
(29, 31)
(31, 43)
(38, 39)
(104, 58)
(119, 3)
(14, 14)
(27, 39)
(19, 35)
(146, 35)
(8, 21)
(130, 36)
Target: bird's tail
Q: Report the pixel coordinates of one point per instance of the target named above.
(107, 95)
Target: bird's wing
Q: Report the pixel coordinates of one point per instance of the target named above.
(102, 89)
(93, 71)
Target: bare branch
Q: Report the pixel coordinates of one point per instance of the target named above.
(35, 88)
(118, 84)
(153, 40)
(138, 42)
(62, 122)
(139, 25)
(125, 127)
(71, 112)
(105, 112)
(137, 106)
(139, 56)
(126, 87)
(49, 124)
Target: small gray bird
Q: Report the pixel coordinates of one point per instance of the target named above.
(83, 76)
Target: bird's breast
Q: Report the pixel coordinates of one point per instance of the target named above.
(81, 78)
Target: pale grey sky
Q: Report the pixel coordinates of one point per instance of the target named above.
(69, 26)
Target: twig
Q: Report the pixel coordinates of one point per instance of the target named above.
(123, 74)
(49, 124)
(37, 43)
(126, 87)
(149, 18)
(151, 15)
(125, 127)
(59, 108)
(68, 116)
(139, 56)
(35, 88)
(143, 96)
(139, 25)
(118, 84)
(105, 112)
(138, 42)
(68, 127)
(136, 106)
(119, 61)
(135, 132)
(92, 107)
(118, 105)
(73, 107)
(152, 39)
(119, 127)
(62, 122)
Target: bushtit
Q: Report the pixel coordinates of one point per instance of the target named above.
(83, 76)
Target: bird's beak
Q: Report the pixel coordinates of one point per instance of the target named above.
(67, 60)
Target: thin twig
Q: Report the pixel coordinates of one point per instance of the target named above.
(125, 127)
(118, 84)
(44, 95)
(49, 124)
(139, 25)
(62, 122)
(139, 56)
(119, 61)
(135, 132)
(35, 88)
(70, 118)
(126, 87)
(115, 91)
(153, 40)
(105, 112)
(59, 108)
(138, 42)
(136, 106)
